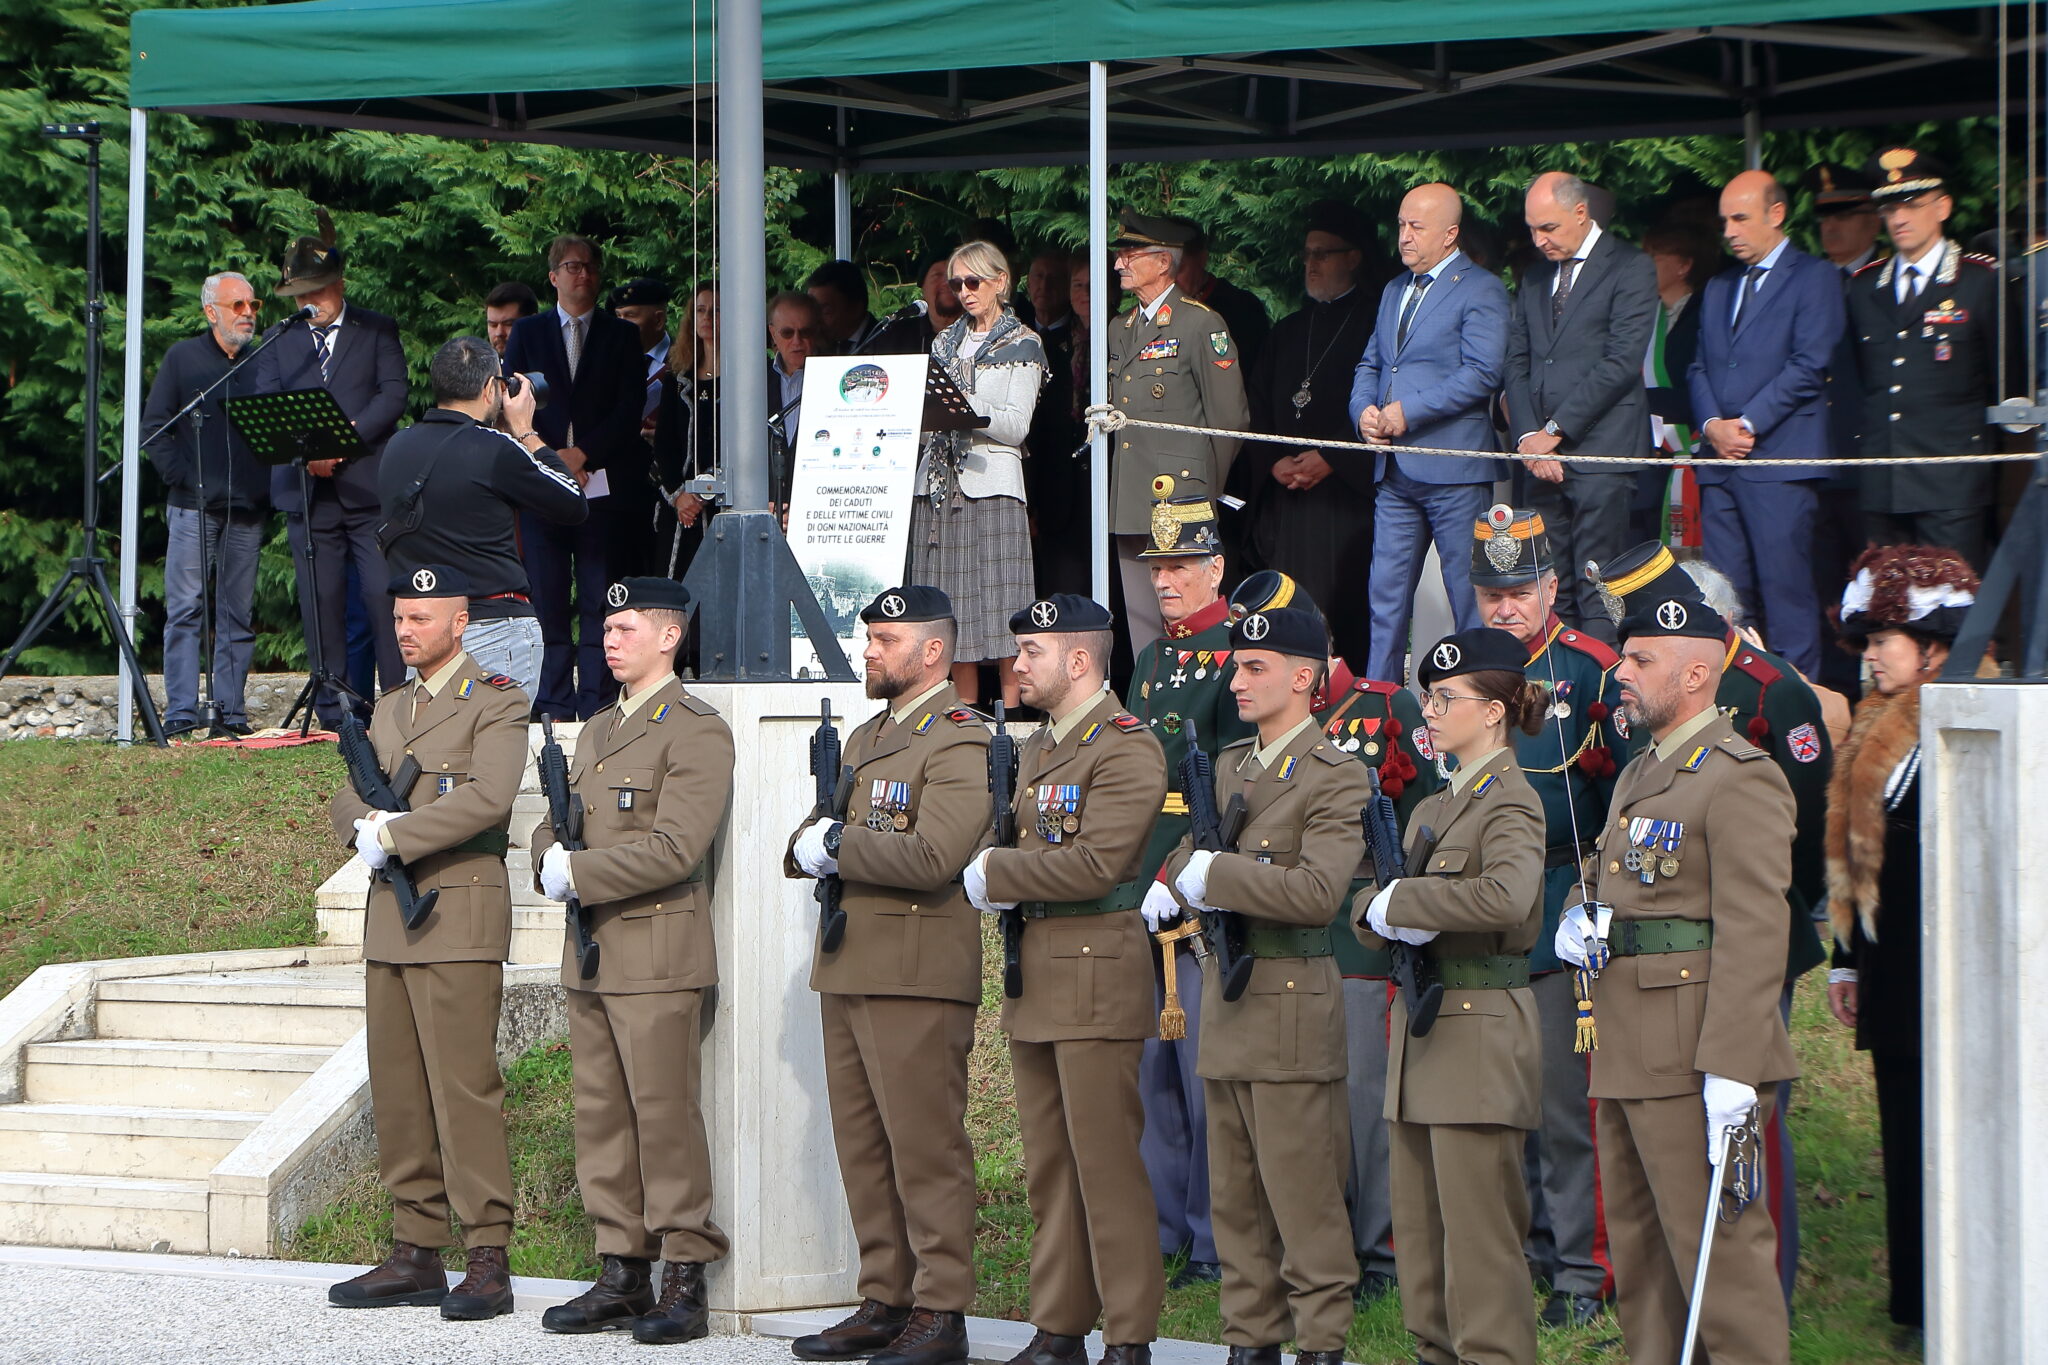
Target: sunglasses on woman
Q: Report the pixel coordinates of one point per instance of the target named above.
(963, 283)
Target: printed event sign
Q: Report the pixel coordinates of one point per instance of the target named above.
(851, 488)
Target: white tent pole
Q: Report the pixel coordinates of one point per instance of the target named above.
(842, 196)
(1098, 314)
(131, 402)
(1752, 111)
(743, 271)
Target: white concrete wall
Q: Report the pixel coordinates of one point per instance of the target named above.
(1984, 811)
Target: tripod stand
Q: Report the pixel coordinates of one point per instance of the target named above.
(87, 571)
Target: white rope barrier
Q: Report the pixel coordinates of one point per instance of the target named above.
(1105, 418)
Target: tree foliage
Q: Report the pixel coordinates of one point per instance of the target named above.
(431, 224)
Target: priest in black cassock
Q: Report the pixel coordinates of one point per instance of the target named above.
(1309, 511)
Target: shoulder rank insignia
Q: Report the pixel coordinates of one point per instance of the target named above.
(925, 723)
(1484, 783)
(1287, 768)
(659, 713)
(1125, 721)
(960, 715)
(1093, 731)
(1696, 757)
(501, 681)
(464, 688)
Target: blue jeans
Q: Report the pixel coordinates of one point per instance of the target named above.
(233, 539)
(1407, 516)
(509, 645)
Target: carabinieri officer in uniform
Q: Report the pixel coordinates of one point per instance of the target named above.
(1089, 786)
(1462, 1098)
(897, 996)
(1688, 897)
(431, 995)
(654, 770)
(1273, 1060)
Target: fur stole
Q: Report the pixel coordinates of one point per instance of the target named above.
(1883, 733)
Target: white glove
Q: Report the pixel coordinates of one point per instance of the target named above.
(1579, 934)
(1728, 1105)
(1376, 919)
(810, 850)
(554, 874)
(1193, 881)
(1159, 906)
(367, 846)
(974, 877)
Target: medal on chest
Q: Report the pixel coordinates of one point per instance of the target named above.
(1653, 849)
(888, 806)
(1057, 807)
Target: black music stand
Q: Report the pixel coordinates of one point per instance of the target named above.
(945, 407)
(292, 428)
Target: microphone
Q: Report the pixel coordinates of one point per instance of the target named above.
(917, 308)
(305, 312)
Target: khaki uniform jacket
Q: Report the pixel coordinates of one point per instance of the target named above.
(1666, 1019)
(655, 793)
(1085, 976)
(909, 927)
(1297, 853)
(1182, 366)
(471, 745)
(1482, 890)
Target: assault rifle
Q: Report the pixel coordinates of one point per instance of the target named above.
(1383, 837)
(565, 813)
(1218, 834)
(1002, 796)
(833, 787)
(381, 793)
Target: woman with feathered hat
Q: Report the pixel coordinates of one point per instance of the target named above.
(1902, 609)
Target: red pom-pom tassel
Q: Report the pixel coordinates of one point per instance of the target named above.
(1759, 731)
(1393, 728)
(1393, 787)
(1596, 711)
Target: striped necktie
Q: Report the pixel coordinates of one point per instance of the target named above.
(323, 339)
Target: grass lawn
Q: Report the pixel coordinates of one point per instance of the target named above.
(110, 852)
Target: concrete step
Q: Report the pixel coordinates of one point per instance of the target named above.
(135, 1141)
(302, 1006)
(152, 1071)
(103, 1211)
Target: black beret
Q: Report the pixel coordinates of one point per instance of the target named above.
(429, 580)
(1340, 221)
(1509, 548)
(1061, 614)
(1483, 649)
(643, 291)
(1296, 631)
(913, 602)
(646, 594)
(1674, 616)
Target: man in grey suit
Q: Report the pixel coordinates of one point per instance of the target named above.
(1576, 340)
(1428, 378)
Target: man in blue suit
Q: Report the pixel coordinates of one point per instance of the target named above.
(354, 354)
(1428, 378)
(597, 383)
(1759, 391)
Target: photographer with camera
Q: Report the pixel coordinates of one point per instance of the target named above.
(452, 486)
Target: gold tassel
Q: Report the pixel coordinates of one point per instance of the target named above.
(1585, 1034)
(1173, 1020)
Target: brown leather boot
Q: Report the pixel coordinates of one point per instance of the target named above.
(928, 1338)
(622, 1293)
(680, 1313)
(410, 1276)
(486, 1292)
(871, 1327)
(1050, 1348)
(1140, 1354)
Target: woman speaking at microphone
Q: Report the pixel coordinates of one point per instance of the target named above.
(1462, 1098)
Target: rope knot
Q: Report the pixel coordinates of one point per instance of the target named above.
(1104, 418)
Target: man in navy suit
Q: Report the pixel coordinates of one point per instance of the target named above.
(1428, 378)
(1759, 391)
(597, 381)
(355, 355)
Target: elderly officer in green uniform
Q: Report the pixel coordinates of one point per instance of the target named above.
(1379, 724)
(1182, 680)
(1171, 359)
(431, 994)
(1273, 1060)
(1771, 706)
(1571, 762)
(654, 771)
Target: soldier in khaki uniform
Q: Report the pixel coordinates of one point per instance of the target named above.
(654, 771)
(1171, 359)
(1089, 786)
(1463, 1098)
(431, 995)
(1273, 1060)
(1688, 888)
(898, 994)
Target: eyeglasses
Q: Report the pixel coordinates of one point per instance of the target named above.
(792, 333)
(963, 283)
(240, 305)
(1439, 701)
(1315, 255)
(576, 268)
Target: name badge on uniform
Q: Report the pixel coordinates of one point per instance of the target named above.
(1653, 848)
(444, 784)
(625, 798)
(1057, 807)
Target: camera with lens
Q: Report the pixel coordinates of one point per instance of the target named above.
(515, 382)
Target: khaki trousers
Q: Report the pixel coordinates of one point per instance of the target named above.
(641, 1156)
(1278, 1156)
(439, 1098)
(1653, 1182)
(1461, 1213)
(896, 1072)
(1095, 1251)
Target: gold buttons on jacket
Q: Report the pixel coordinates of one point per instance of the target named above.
(444, 767)
(472, 878)
(600, 767)
(1084, 950)
(1613, 867)
(1441, 862)
(1685, 973)
(1468, 1004)
(1265, 843)
(1290, 985)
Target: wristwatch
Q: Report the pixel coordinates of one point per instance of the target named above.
(1551, 428)
(832, 838)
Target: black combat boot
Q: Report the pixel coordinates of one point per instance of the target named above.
(1319, 1358)
(1140, 1354)
(872, 1326)
(1050, 1348)
(680, 1314)
(1254, 1355)
(486, 1292)
(622, 1293)
(411, 1276)
(928, 1338)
